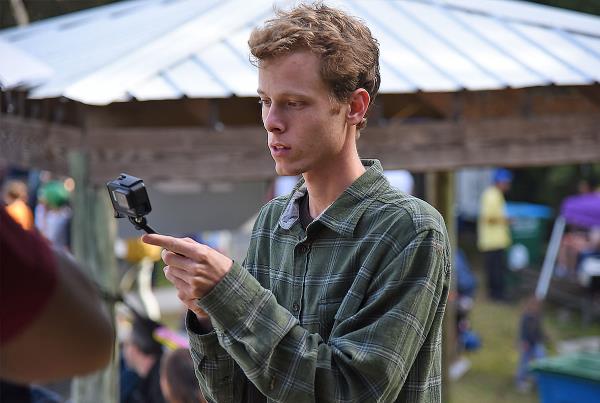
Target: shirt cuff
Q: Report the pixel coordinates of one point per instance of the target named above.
(205, 343)
(227, 303)
(197, 326)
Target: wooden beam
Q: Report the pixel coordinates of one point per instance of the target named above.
(517, 142)
(240, 153)
(195, 154)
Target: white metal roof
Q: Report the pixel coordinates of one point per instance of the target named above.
(168, 49)
(23, 68)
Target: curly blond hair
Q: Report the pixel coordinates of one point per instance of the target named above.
(349, 54)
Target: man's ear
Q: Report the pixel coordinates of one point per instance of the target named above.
(359, 103)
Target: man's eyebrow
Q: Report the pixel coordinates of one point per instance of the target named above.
(285, 94)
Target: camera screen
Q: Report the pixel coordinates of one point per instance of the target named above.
(121, 199)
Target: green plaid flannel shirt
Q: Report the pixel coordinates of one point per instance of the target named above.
(348, 311)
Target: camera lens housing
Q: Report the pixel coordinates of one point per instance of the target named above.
(129, 196)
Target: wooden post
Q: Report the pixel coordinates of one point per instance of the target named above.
(93, 234)
(19, 12)
(439, 192)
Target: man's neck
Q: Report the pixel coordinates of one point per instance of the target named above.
(326, 186)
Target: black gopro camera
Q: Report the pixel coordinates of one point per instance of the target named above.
(130, 199)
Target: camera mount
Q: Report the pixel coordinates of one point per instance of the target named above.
(141, 224)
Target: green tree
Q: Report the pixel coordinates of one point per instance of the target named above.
(551, 185)
(39, 10)
(584, 6)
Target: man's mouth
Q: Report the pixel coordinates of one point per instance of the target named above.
(279, 147)
(280, 150)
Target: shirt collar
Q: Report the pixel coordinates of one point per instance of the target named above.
(343, 214)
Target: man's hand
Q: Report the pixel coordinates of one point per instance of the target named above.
(193, 268)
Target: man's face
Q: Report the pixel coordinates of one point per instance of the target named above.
(130, 354)
(307, 130)
(504, 186)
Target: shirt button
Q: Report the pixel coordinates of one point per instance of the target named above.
(296, 307)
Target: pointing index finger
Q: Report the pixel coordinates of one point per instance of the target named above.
(170, 243)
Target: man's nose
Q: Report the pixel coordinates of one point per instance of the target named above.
(273, 120)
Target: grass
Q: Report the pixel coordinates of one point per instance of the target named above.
(490, 378)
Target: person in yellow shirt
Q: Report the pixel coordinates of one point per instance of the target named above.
(494, 234)
(15, 197)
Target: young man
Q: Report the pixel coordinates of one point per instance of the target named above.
(344, 286)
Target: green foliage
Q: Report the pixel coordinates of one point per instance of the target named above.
(584, 6)
(39, 10)
(550, 185)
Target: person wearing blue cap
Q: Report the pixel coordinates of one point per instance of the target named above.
(493, 234)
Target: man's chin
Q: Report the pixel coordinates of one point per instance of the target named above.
(283, 170)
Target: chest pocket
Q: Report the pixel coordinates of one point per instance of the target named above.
(328, 312)
(332, 312)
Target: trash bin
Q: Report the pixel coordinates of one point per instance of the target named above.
(573, 378)
(528, 229)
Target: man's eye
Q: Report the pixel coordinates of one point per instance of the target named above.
(264, 102)
(294, 104)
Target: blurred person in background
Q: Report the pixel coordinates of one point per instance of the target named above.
(585, 186)
(143, 353)
(52, 323)
(177, 378)
(53, 214)
(577, 242)
(493, 233)
(15, 197)
(531, 341)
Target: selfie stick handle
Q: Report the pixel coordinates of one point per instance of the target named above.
(140, 223)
